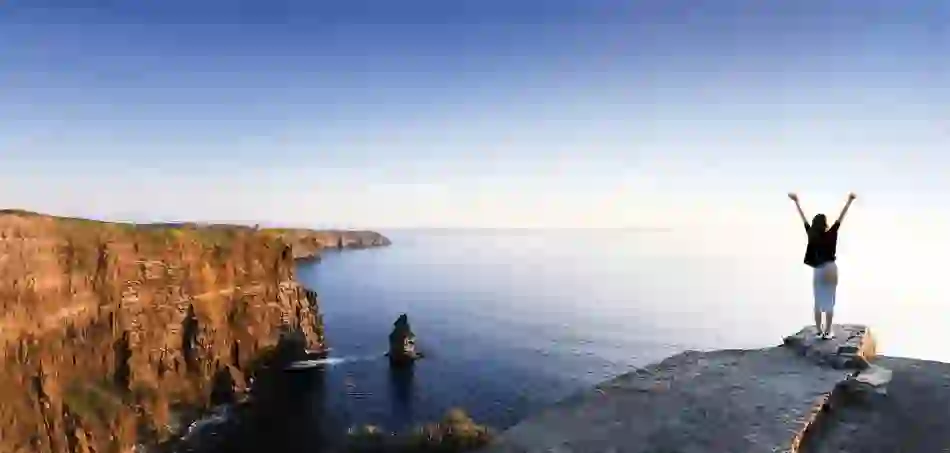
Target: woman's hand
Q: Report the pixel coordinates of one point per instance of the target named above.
(847, 205)
(794, 197)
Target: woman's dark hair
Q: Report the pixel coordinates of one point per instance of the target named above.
(818, 226)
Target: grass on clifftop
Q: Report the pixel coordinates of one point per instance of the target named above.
(210, 235)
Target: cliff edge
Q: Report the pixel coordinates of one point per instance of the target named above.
(305, 243)
(808, 395)
(110, 333)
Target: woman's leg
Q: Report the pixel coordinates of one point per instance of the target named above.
(816, 287)
(825, 296)
(828, 299)
(829, 307)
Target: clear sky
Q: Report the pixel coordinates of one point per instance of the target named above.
(488, 113)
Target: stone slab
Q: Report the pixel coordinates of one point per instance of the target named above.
(875, 376)
(723, 401)
(853, 346)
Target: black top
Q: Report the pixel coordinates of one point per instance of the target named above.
(822, 249)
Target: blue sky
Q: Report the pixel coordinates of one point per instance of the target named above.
(557, 113)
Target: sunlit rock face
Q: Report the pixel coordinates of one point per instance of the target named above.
(110, 330)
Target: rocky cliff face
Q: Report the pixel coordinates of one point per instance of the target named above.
(108, 330)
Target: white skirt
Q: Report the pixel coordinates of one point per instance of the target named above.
(825, 284)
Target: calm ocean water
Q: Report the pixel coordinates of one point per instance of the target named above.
(515, 320)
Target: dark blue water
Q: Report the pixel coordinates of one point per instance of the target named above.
(515, 320)
(510, 321)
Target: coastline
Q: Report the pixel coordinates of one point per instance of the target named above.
(308, 244)
(797, 397)
(235, 286)
(124, 331)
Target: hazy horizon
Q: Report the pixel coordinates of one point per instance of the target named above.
(490, 114)
(272, 224)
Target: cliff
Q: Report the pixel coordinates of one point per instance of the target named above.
(808, 395)
(107, 330)
(307, 244)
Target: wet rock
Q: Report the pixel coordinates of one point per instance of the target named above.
(402, 343)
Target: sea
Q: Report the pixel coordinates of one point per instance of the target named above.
(511, 321)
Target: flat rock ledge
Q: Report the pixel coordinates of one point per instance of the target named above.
(853, 346)
(730, 401)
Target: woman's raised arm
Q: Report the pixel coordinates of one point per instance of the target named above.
(844, 211)
(794, 197)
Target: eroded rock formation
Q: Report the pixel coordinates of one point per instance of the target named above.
(108, 330)
(402, 342)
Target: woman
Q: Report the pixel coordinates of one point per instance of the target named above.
(820, 255)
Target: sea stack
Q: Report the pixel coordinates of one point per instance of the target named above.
(402, 343)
